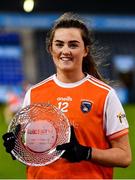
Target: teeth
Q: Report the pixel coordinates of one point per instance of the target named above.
(66, 59)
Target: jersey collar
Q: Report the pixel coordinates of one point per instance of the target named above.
(69, 85)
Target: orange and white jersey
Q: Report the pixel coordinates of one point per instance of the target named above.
(97, 115)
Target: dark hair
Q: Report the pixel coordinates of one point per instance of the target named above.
(71, 20)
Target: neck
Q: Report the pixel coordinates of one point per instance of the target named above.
(70, 77)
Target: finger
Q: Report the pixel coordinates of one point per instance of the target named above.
(65, 146)
(13, 157)
(9, 143)
(7, 136)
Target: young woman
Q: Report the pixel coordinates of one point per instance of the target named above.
(99, 133)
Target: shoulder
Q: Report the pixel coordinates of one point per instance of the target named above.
(35, 89)
(99, 84)
(41, 83)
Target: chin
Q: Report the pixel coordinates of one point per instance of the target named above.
(67, 69)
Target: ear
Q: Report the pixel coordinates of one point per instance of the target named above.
(50, 49)
(86, 51)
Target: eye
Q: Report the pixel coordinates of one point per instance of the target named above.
(59, 45)
(73, 45)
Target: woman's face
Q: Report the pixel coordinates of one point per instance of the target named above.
(68, 49)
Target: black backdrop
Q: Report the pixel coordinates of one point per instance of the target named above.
(87, 6)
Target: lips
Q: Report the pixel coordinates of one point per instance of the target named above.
(66, 58)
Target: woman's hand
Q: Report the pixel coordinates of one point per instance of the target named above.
(9, 140)
(74, 152)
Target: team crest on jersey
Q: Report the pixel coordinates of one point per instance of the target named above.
(86, 106)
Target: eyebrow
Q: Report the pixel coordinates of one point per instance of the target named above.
(73, 41)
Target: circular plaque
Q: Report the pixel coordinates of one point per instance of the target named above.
(39, 128)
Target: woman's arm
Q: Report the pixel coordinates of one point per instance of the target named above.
(119, 155)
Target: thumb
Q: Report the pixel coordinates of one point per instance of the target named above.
(68, 146)
(73, 138)
(65, 146)
(17, 129)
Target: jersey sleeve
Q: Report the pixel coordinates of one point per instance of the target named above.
(115, 120)
(26, 100)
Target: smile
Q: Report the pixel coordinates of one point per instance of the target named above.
(66, 58)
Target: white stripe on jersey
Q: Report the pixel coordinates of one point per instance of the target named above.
(99, 82)
(42, 82)
(99, 85)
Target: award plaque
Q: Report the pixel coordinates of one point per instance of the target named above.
(38, 129)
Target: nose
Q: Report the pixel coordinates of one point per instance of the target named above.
(66, 50)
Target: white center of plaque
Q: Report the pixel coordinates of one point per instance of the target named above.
(40, 136)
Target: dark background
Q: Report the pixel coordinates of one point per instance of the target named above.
(32, 39)
(87, 6)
